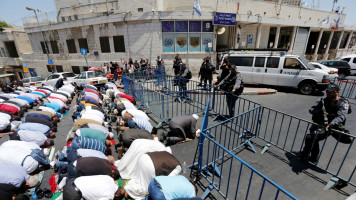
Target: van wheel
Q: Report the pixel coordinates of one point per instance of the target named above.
(307, 87)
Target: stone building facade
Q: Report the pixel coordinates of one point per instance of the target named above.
(115, 30)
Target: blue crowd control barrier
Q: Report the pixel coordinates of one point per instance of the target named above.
(227, 174)
(289, 133)
(347, 87)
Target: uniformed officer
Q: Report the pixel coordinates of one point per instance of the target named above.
(330, 112)
(209, 69)
(232, 85)
(202, 72)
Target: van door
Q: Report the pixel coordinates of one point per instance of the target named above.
(291, 74)
(271, 71)
(244, 65)
(258, 70)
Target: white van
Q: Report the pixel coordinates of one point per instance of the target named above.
(276, 70)
(351, 59)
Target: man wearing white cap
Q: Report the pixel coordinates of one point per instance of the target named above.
(182, 128)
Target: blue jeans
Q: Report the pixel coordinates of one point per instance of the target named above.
(155, 191)
(183, 88)
(231, 102)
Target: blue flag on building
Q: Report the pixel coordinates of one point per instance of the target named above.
(197, 7)
(325, 21)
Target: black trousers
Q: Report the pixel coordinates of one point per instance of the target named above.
(311, 145)
(210, 79)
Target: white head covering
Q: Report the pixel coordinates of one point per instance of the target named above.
(111, 135)
(195, 116)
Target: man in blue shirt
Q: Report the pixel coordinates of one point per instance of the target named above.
(170, 187)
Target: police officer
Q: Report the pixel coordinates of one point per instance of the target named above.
(330, 112)
(233, 86)
(224, 70)
(202, 72)
(183, 80)
(209, 69)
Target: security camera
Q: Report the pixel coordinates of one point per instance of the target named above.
(153, 9)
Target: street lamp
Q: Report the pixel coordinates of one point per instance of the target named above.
(44, 38)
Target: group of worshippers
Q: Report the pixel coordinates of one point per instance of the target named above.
(87, 169)
(85, 165)
(25, 154)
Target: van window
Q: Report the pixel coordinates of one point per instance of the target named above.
(329, 63)
(316, 66)
(260, 61)
(292, 63)
(346, 59)
(91, 75)
(354, 61)
(272, 62)
(241, 61)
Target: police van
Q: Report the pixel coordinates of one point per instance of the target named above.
(351, 59)
(278, 70)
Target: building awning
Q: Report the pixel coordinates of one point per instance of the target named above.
(6, 75)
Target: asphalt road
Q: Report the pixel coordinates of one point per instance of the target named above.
(302, 180)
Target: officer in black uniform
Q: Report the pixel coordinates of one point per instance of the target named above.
(209, 69)
(202, 72)
(233, 86)
(329, 112)
(224, 70)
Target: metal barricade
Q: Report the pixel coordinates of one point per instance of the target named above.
(347, 87)
(224, 172)
(289, 133)
(173, 101)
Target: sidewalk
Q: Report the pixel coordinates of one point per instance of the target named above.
(247, 90)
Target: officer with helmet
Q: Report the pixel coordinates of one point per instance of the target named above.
(329, 113)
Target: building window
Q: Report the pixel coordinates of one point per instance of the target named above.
(11, 49)
(272, 36)
(54, 46)
(44, 47)
(343, 40)
(63, 19)
(76, 69)
(284, 37)
(85, 68)
(187, 36)
(49, 68)
(352, 41)
(83, 44)
(71, 46)
(1, 54)
(59, 68)
(139, 9)
(105, 44)
(119, 43)
(76, 17)
(335, 40)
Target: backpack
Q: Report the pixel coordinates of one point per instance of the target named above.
(189, 74)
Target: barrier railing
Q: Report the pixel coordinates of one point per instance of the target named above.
(347, 87)
(289, 133)
(227, 174)
(165, 104)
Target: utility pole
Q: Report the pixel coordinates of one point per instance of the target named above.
(44, 38)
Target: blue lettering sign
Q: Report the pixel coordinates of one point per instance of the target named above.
(226, 19)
